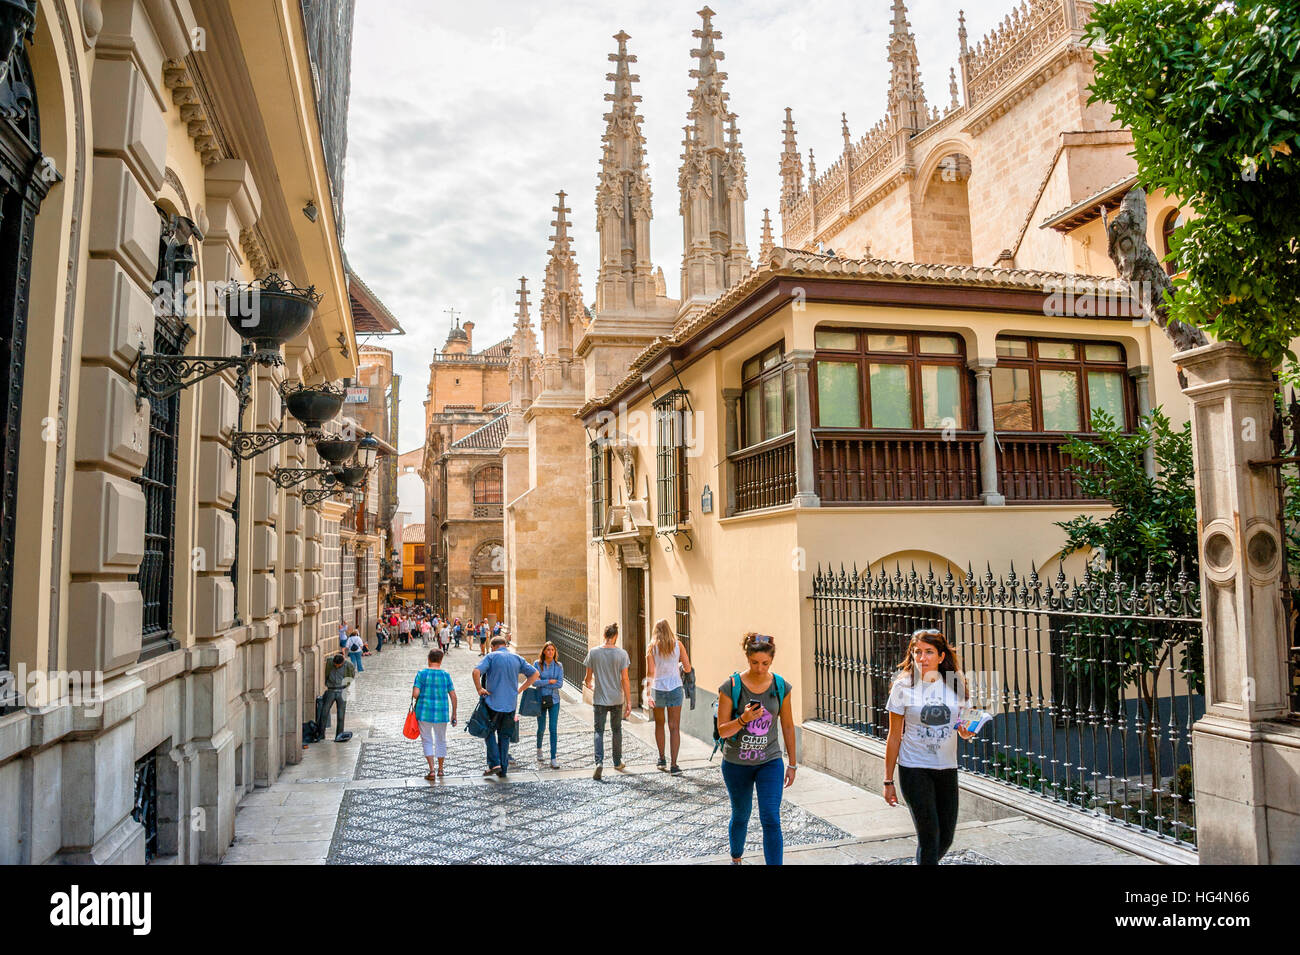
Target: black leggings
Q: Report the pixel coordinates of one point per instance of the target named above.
(931, 796)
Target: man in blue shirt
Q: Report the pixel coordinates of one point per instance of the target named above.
(497, 680)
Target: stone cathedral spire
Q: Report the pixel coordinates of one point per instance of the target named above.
(623, 197)
(712, 181)
(791, 166)
(564, 317)
(524, 372)
(907, 108)
(765, 243)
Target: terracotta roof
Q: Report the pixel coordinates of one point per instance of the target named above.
(487, 438)
(798, 262)
(369, 315)
(1085, 210)
(413, 534)
(500, 348)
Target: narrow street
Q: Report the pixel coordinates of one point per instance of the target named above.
(366, 801)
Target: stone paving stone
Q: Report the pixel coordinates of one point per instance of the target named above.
(467, 755)
(651, 817)
(959, 857)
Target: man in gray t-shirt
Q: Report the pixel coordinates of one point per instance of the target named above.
(611, 695)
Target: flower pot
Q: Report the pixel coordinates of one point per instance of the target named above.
(335, 450)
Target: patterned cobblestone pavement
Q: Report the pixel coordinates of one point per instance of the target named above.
(367, 801)
(629, 819)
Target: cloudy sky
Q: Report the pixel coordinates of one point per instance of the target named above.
(465, 119)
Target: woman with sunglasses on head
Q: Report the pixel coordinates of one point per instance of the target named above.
(750, 704)
(926, 705)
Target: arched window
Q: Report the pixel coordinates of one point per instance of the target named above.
(487, 486)
(1173, 220)
(22, 187)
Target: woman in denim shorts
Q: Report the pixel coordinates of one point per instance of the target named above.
(665, 664)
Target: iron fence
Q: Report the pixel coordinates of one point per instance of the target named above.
(1093, 685)
(570, 639)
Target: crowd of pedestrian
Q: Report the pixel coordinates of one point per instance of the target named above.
(754, 720)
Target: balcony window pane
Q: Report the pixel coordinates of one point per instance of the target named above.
(837, 395)
(1060, 391)
(891, 396)
(843, 341)
(1102, 353)
(788, 377)
(938, 345)
(1106, 393)
(750, 370)
(1012, 348)
(772, 408)
(940, 396)
(753, 416)
(1013, 407)
(772, 359)
(896, 343)
(1057, 351)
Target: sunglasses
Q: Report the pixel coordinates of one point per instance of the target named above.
(755, 643)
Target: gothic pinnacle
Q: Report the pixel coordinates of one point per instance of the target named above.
(561, 223)
(521, 319)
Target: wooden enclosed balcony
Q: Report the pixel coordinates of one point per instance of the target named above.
(881, 467)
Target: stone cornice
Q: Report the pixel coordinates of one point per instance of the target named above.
(193, 111)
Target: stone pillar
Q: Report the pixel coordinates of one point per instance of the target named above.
(1141, 376)
(731, 397)
(805, 479)
(1246, 759)
(983, 368)
(261, 653)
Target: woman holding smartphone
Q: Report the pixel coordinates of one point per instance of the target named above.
(926, 708)
(749, 706)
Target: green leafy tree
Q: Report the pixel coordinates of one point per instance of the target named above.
(1152, 524)
(1211, 91)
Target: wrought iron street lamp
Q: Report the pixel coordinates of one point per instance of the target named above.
(266, 314)
(311, 407)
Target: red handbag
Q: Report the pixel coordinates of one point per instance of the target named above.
(411, 729)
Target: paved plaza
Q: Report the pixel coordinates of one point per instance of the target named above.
(366, 801)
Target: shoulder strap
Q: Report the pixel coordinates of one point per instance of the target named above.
(780, 689)
(735, 693)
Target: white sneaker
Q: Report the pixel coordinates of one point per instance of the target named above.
(539, 754)
(554, 765)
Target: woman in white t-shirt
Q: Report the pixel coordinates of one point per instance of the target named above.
(664, 666)
(926, 707)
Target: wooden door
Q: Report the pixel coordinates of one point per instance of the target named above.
(491, 600)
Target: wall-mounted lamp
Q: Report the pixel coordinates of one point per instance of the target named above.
(310, 210)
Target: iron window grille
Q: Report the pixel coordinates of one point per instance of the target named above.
(673, 494)
(683, 620)
(145, 807)
(487, 486)
(22, 188)
(171, 335)
(599, 487)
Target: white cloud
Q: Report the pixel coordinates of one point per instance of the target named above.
(465, 119)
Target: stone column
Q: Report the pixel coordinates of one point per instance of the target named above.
(1245, 758)
(731, 397)
(1141, 376)
(983, 368)
(805, 479)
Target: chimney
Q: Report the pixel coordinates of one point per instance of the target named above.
(469, 330)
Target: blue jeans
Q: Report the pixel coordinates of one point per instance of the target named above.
(356, 659)
(498, 739)
(769, 779)
(553, 714)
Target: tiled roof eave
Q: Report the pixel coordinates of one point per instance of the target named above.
(794, 263)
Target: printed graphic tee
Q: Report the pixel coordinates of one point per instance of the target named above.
(931, 712)
(760, 740)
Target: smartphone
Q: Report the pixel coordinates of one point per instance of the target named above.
(753, 705)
